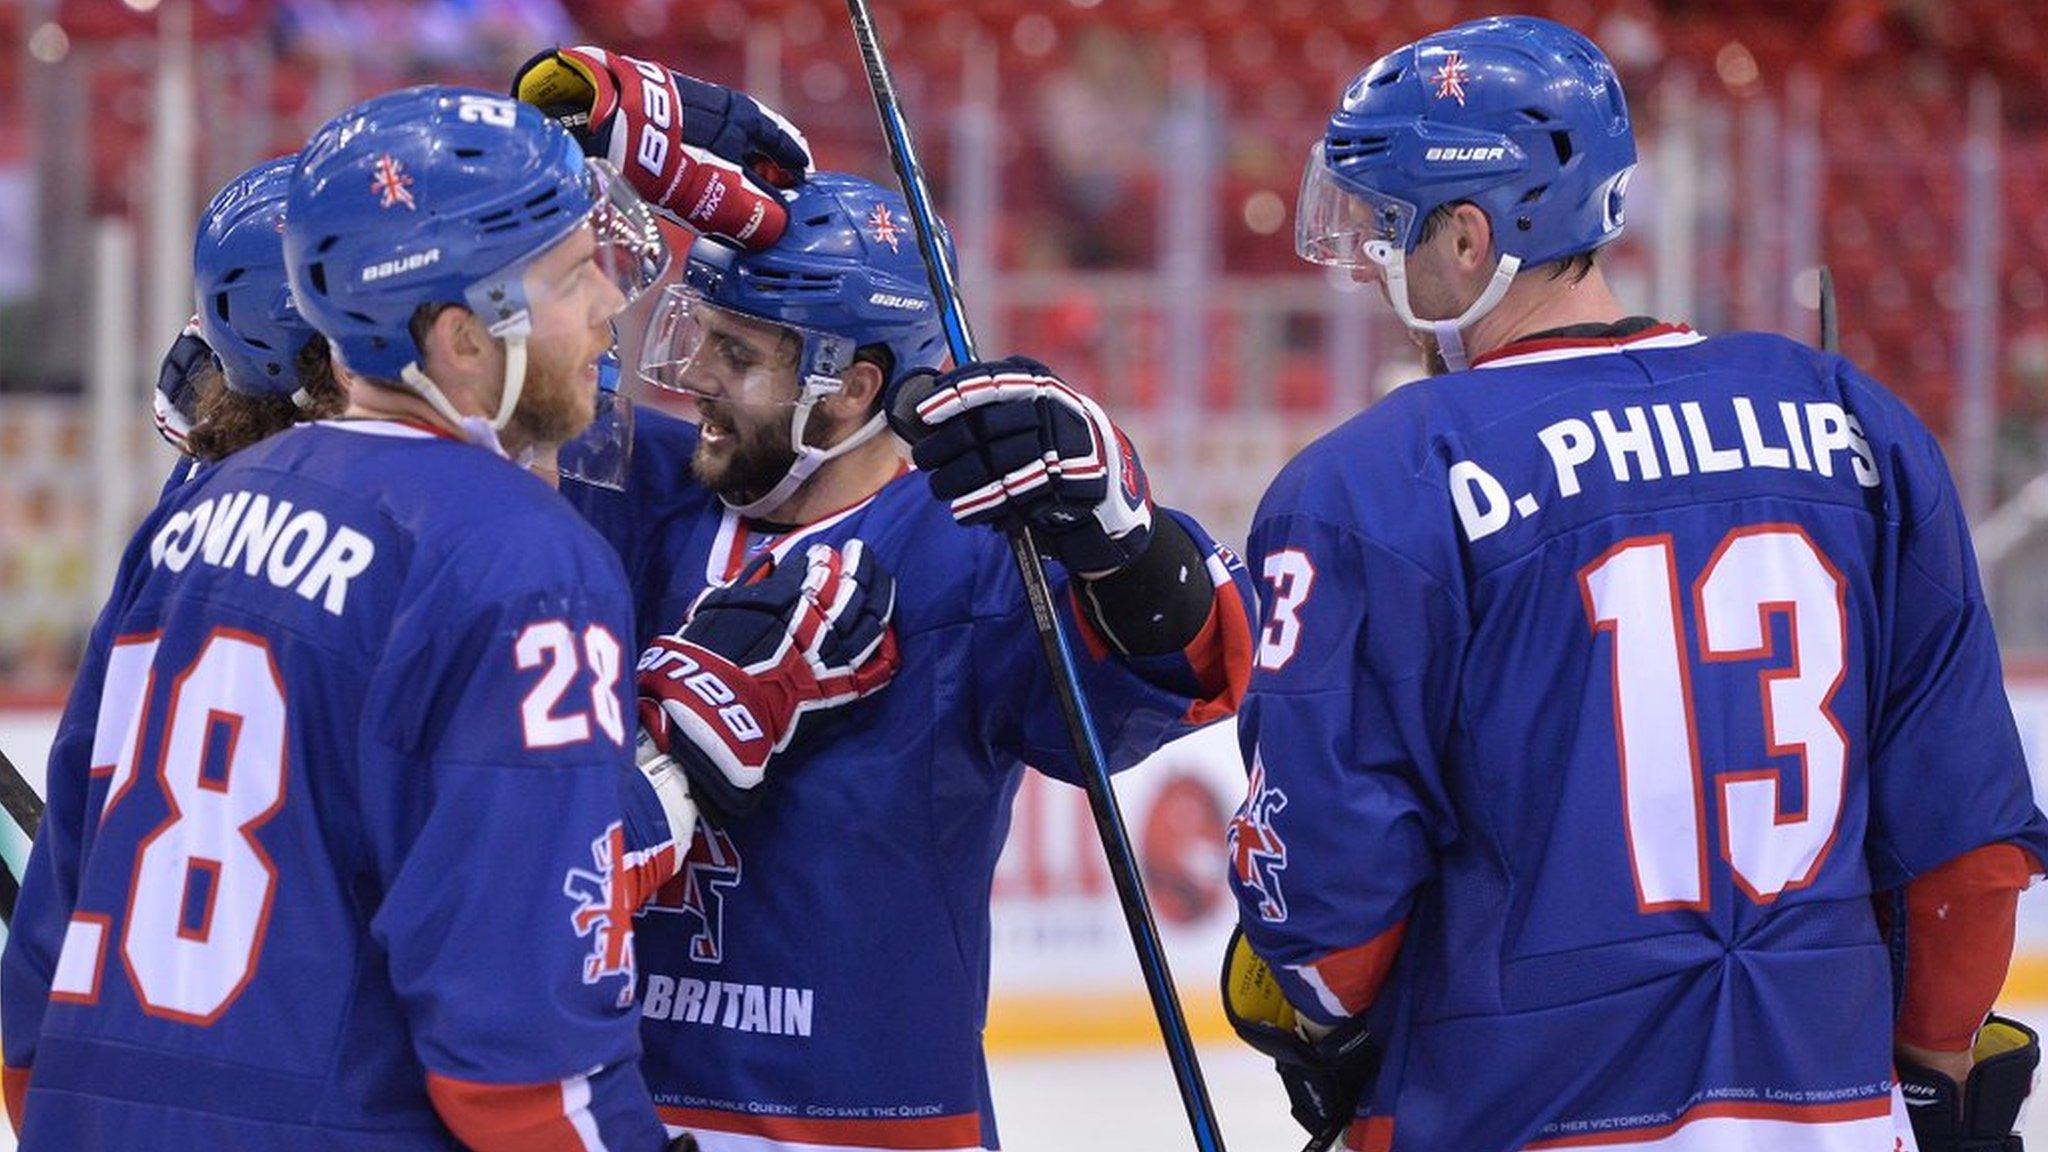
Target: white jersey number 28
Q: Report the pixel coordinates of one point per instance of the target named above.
(200, 897)
(1631, 593)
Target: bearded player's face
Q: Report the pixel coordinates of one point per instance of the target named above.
(742, 382)
(572, 304)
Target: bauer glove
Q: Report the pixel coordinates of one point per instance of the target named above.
(723, 695)
(1006, 442)
(1325, 1077)
(701, 152)
(1983, 1113)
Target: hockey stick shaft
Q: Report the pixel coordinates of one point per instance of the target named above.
(18, 798)
(25, 808)
(1109, 824)
(1830, 320)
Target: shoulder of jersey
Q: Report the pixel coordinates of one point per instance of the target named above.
(438, 490)
(658, 471)
(668, 436)
(1375, 458)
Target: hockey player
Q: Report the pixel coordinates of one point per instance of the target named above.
(1603, 680)
(248, 365)
(334, 832)
(224, 383)
(816, 976)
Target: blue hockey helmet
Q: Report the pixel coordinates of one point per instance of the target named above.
(845, 275)
(245, 308)
(437, 195)
(1520, 116)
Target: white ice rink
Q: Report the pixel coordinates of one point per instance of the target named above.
(1124, 1101)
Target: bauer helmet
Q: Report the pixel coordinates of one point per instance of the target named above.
(244, 305)
(845, 275)
(437, 195)
(1520, 116)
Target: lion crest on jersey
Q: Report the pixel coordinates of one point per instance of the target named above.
(604, 910)
(1256, 850)
(698, 891)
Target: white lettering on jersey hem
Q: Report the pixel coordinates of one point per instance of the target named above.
(1893, 1132)
(710, 1141)
(1668, 340)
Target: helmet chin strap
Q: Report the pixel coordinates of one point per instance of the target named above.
(808, 458)
(475, 429)
(1450, 337)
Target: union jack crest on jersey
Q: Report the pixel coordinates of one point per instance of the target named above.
(697, 891)
(1256, 851)
(884, 228)
(604, 910)
(391, 184)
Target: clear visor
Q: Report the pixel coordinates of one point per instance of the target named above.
(705, 352)
(599, 267)
(602, 454)
(1337, 226)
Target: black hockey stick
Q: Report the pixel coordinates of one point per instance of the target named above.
(1830, 324)
(18, 798)
(1109, 823)
(25, 808)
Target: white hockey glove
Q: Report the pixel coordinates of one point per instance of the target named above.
(1007, 441)
(722, 696)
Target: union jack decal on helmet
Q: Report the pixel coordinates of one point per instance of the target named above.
(392, 183)
(883, 227)
(1451, 77)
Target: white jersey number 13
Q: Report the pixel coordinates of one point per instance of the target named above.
(1631, 593)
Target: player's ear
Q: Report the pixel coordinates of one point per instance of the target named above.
(1471, 238)
(455, 344)
(860, 390)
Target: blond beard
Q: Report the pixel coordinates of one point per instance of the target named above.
(550, 413)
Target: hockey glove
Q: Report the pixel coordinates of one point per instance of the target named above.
(725, 694)
(1007, 442)
(179, 387)
(1983, 1113)
(1326, 1077)
(701, 152)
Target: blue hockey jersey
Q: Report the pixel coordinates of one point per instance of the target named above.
(334, 822)
(816, 975)
(1597, 690)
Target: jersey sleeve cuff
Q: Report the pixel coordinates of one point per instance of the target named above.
(15, 1082)
(545, 1117)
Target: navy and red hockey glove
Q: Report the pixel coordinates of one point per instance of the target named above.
(725, 694)
(1982, 1114)
(701, 152)
(180, 385)
(1007, 441)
